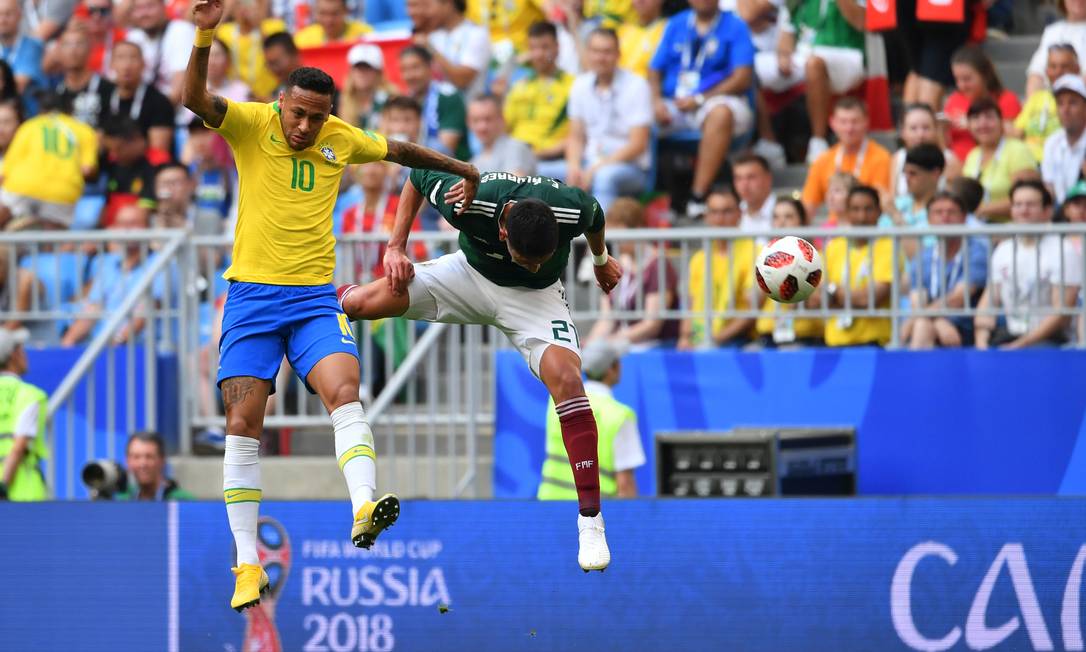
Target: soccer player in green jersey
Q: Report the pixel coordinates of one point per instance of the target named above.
(514, 244)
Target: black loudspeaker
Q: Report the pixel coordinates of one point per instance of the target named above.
(756, 462)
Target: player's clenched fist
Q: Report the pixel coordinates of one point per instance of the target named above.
(398, 270)
(608, 274)
(207, 13)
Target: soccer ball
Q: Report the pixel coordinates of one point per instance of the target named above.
(788, 269)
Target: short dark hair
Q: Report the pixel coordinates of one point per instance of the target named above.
(312, 79)
(543, 28)
(488, 98)
(531, 228)
(281, 39)
(1033, 184)
(946, 195)
(403, 103)
(748, 158)
(50, 100)
(122, 126)
(797, 205)
(849, 103)
(984, 105)
(1064, 47)
(606, 32)
(173, 165)
(417, 51)
(865, 190)
(118, 44)
(969, 190)
(926, 156)
(150, 437)
(725, 190)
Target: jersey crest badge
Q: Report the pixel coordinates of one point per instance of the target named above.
(328, 153)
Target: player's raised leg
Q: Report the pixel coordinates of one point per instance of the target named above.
(335, 379)
(374, 300)
(244, 398)
(560, 371)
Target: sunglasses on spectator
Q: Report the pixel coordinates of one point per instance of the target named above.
(100, 11)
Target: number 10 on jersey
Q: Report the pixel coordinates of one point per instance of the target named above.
(302, 175)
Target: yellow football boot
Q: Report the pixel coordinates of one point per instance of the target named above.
(373, 518)
(251, 583)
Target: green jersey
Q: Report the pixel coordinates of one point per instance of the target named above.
(577, 212)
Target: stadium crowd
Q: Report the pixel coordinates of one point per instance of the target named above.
(613, 96)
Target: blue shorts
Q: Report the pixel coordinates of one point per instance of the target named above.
(262, 322)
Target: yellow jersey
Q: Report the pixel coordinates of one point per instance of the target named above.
(247, 54)
(507, 20)
(47, 157)
(285, 197)
(611, 13)
(802, 327)
(314, 36)
(535, 109)
(866, 262)
(731, 283)
(638, 45)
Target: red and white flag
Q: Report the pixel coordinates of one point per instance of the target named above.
(877, 83)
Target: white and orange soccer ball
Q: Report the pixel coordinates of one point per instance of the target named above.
(788, 269)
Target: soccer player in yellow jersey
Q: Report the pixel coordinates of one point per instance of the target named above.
(290, 156)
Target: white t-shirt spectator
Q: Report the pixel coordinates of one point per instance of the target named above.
(766, 40)
(467, 44)
(629, 453)
(1015, 276)
(506, 155)
(1058, 32)
(1062, 163)
(165, 55)
(610, 114)
(757, 221)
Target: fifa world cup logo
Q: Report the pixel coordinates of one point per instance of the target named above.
(273, 549)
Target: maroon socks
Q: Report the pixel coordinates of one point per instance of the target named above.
(580, 437)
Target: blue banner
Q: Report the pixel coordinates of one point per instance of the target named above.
(939, 422)
(751, 575)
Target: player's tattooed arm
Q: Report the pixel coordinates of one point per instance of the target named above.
(416, 156)
(194, 94)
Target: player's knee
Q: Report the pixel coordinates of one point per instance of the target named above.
(566, 383)
(342, 394)
(816, 66)
(245, 424)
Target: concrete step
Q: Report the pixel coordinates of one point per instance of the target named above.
(1016, 49)
(319, 478)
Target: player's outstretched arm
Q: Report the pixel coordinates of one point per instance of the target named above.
(608, 271)
(398, 267)
(194, 95)
(416, 156)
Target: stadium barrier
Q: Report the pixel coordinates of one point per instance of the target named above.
(756, 575)
(443, 398)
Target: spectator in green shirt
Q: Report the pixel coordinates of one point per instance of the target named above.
(444, 118)
(145, 457)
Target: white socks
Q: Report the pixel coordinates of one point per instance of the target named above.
(241, 490)
(355, 452)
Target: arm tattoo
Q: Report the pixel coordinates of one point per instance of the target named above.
(416, 156)
(194, 94)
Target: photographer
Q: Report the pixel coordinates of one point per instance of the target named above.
(145, 478)
(22, 423)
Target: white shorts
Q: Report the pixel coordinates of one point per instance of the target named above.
(742, 115)
(450, 290)
(845, 66)
(23, 206)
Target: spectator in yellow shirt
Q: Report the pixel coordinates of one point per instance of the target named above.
(508, 21)
(779, 326)
(331, 25)
(640, 38)
(870, 273)
(45, 166)
(731, 280)
(535, 109)
(1038, 119)
(245, 39)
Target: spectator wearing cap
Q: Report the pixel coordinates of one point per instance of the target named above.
(21, 51)
(701, 79)
(364, 92)
(1038, 119)
(620, 448)
(945, 274)
(975, 79)
(497, 149)
(1030, 274)
(131, 97)
(244, 38)
(145, 461)
(610, 118)
(47, 163)
(1073, 208)
(996, 161)
(332, 25)
(1065, 150)
(444, 119)
(536, 108)
(165, 45)
(22, 420)
(923, 172)
(461, 48)
(1071, 30)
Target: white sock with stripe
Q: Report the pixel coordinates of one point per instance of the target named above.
(241, 490)
(355, 453)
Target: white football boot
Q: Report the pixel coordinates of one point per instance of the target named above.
(593, 553)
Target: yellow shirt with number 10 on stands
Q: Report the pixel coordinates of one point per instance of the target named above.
(46, 158)
(285, 198)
